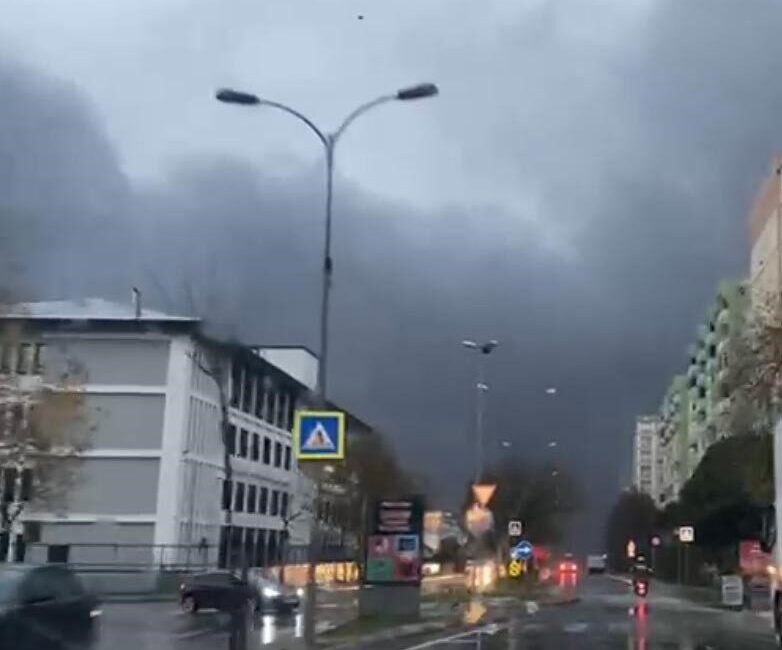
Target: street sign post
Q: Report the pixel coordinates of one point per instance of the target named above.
(514, 528)
(514, 568)
(319, 435)
(522, 551)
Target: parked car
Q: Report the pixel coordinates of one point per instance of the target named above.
(225, 590)
(45, 608)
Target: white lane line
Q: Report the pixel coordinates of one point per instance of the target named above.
(493, 629)
(575, 628)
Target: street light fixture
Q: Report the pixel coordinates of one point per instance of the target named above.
(329, 141)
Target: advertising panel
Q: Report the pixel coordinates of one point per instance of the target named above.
(394, 544)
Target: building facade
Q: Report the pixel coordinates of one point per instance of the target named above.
(152, 484)
(645, 458)
(765, 228)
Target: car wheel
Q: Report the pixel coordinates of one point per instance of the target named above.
(189, 605)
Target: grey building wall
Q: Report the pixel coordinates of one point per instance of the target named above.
(116, 486)
(125, 421)
(116, 360)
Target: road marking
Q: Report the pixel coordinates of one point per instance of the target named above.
(456, 637)
(575, 628)
(532, 607)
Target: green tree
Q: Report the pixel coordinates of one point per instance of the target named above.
(633, 517)
(732, 484)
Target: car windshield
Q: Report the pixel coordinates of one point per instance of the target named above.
(392, 311)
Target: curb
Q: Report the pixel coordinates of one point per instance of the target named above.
(137, 598)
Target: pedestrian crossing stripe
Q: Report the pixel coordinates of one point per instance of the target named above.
(319, 435)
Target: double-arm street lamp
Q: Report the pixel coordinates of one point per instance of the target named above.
(329, 142)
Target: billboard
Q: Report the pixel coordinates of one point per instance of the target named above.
(394, 546)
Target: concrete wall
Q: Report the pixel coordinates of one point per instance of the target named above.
(125, 421)
(114, 360)
(116, 486)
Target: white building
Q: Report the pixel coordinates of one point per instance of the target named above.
(152, 485)
(646, 463)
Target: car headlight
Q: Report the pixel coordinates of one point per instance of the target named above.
(270, 592)
(300, 592)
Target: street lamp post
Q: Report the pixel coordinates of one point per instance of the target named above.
(329, 142)
(483, 350)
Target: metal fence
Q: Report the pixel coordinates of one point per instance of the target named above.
(127, 557)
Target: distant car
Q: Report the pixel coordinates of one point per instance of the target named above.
(568, 565)
(224, 590)
(596, 564)
(45, 608)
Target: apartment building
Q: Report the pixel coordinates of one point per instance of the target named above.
(152, 485)
(765, 226)
(645, 461)
(673, 441)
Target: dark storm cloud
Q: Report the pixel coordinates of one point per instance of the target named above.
(644, 164)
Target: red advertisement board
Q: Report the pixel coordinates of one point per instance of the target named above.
(752, 560)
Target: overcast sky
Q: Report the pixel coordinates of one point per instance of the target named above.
(576, 191)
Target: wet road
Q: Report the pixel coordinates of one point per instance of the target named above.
(162, 626)
(606, 618)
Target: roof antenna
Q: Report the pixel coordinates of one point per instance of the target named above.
(136, 302)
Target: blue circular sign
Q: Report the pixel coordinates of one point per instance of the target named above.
(522, 550)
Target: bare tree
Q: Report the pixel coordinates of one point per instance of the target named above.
(209, 360)
(754, 378)
(43, 428)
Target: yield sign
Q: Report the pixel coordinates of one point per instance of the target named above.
(483, 492)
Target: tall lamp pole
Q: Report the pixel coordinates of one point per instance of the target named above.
(329, 141)
(483, 350)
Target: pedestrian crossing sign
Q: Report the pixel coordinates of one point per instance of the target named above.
(319, 435)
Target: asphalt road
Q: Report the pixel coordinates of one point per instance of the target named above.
(607, 618)
(163, 626)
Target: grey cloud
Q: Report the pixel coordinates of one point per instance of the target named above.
(639, 152)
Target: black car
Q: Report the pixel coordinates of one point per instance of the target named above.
(225, 590)
(45, 608)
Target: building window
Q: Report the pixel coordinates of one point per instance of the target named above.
(275, 503)
(236, 384)
(38, 358)
(291, 412)
(231, 442)
(247, 392)
(5, 359)
(256, 448)
(287, 457)
(263, 501)
(227, 490)
(239, 498)
(252, 496)
(260, 396)
(284, 401)
(23, 359)
(277, 454)
(284, 505)
(244, 436)
(267, 451)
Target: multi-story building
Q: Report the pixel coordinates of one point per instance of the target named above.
(765, 225)
(709, 372)
(152, 484)
(645, 465)
(673, 441)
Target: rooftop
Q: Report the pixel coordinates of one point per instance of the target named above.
(87, 309)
